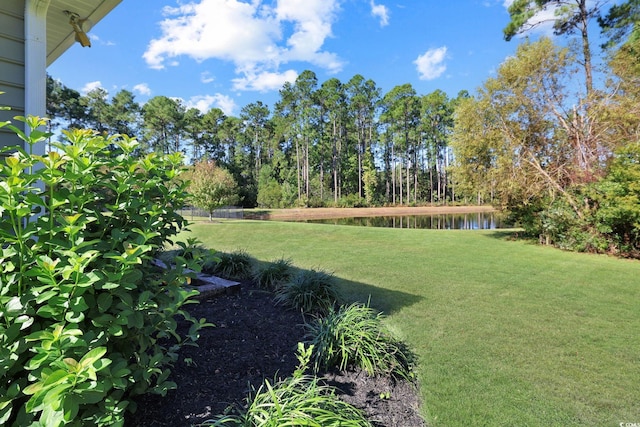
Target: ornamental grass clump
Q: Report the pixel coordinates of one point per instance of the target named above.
(310, 291)
(274, 274)
(354, 336)
(236, 265)
(300, 400)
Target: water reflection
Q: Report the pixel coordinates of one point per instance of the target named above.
(468, 221)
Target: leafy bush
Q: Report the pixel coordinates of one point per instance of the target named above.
(299, 400)
(311, 291)
(355, 336)
(269, 194)
(272, 275)
(556, 224)
(236, 265)
(85, 314)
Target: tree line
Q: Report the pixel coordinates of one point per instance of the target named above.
(329, 143)
(551, 138)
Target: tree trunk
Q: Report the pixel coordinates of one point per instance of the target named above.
(400, 182)
(408, 181)
(306, 167)
(586, 48)
(393, 174)
(298, 169)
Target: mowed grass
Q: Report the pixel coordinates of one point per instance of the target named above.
(507, 333)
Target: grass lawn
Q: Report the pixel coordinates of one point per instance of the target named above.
(507, 333)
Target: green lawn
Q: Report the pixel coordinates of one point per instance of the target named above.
(507, 333)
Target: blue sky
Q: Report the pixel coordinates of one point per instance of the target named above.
(229, 53)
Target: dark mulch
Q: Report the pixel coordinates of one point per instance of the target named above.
(252, 340)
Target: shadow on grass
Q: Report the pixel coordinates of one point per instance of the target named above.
(509, 234)
(257, 214)
(385, 300)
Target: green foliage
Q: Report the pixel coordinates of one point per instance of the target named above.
(236, 265)
(370, 180)
(310, 291)
(193, 250)
(84, 313)
(560, 226)
(272, 275)
(269, 189)
(354, 336)
(618, 199)
(270, 194)
(620, 24)
(351, 201)
(300, 400)
(163, 117)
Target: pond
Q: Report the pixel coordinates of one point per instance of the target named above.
(467, 221)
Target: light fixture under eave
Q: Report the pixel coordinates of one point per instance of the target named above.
(77, 24)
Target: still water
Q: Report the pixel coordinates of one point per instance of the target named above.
(468, 221)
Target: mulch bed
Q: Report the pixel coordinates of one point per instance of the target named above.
(252, 340)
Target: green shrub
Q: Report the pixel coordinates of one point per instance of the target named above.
(269, 193)
(236, 265)
(355, 336)
(556, 224)
(272, 275)
(84, 312)
(617, 197)
(299, 400)
(310, 291)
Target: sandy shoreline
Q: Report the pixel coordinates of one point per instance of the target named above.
(321, 213)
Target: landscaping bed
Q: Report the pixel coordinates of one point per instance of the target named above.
(253, 339)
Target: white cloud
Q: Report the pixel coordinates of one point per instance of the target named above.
(265, 81)
(96, 39)
(256, 38)
(220, 29)
(431, 65)
(91, 86)
(142, 89)
(205, 102)
(206, 77)
(312, 20)
(380, 11)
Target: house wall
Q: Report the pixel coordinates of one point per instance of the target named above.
(12, 74)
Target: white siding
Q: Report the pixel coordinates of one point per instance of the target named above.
(11, 64)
